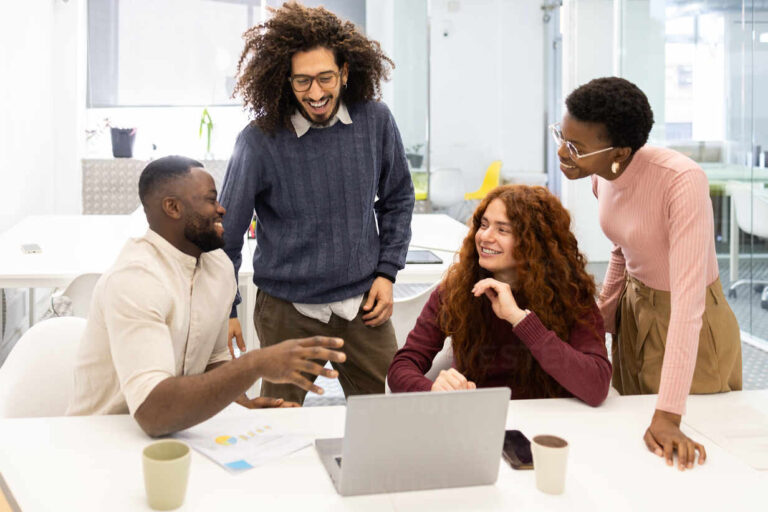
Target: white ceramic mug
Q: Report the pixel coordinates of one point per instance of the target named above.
(550, 457)
(166, 472)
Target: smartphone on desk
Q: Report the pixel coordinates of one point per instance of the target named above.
(31, 249)
(517, 450)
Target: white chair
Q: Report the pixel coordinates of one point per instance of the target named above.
(405, 312)
(751, 210)
(409, 300)
(37, 378)
(79, 293)
(446, 187)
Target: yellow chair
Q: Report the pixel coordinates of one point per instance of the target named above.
(419, 185)
(490, 182)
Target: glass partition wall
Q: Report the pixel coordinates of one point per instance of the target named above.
(409, 98)
(703, 66)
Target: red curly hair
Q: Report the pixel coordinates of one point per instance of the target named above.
(551, 281)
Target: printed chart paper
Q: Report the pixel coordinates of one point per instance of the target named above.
(238, 444)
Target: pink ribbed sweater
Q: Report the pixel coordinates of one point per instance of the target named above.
(659, 216)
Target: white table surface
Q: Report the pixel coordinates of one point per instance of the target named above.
(436, 232)
(94, 463)
(71, 245)
(78, 244)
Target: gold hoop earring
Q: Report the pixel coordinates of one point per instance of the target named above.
(615, 167)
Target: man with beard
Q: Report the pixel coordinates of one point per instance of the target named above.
(156, 340)
(323, 166)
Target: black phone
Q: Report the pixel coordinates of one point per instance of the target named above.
(517, 450)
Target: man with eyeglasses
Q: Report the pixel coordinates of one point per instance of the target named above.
(323, 166)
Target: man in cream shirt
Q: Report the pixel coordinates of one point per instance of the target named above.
(156, 341)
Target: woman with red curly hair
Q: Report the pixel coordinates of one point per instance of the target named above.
(519, 306)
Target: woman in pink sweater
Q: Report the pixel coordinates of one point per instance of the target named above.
(673, 331)
(518, 305)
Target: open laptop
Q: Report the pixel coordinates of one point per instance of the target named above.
(416, 441)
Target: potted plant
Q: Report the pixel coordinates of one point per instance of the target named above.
(414, 155)
(207, 122)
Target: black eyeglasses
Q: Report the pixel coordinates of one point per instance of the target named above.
(327, 80)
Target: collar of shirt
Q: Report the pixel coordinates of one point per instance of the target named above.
(185, 260)
(302, 125)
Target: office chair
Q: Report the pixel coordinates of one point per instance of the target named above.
(752, 217)
(37, 378)
(405, 312)
(490, 182)
(78, 293)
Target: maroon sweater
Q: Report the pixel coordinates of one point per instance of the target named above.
(581, 366)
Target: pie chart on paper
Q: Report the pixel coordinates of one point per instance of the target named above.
(225, 440)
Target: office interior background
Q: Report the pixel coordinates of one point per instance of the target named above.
(476, 81)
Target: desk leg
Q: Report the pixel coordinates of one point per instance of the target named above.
(249, 331)
(32, 309)
(734, 243)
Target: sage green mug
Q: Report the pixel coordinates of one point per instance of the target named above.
(166, 472)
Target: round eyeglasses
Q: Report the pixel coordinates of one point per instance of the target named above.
(326, 80)
(557, 134)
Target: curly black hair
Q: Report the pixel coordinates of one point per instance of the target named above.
(265, 63)
(619, 105)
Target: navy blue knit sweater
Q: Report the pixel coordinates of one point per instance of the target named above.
(318, 199)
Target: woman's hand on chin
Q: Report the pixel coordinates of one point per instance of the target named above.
(502, 300)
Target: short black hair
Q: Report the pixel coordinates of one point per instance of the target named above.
(161, 171)
(619, 105)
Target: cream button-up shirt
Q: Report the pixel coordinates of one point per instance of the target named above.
(156, 313)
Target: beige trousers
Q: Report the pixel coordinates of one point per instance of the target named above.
(642, 323)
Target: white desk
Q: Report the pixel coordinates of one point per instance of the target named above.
(94, 463)
(442, 235)
(78, 244)
(72, 245)
(439, 233)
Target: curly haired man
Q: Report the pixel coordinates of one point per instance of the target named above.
(323, 165)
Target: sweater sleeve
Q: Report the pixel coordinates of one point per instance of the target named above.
(394, 207)
(581, 366)
(237, 197)
(613, 284)
(414, 359)
(689, 214)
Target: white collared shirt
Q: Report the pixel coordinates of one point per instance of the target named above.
(348, 308)
(156, 313)
(302, 125)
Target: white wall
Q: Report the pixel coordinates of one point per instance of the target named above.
(643, 54)
(589, 29)
(69, 86)
(409, 80)
(487, 86)
(26, 110)
(380, 25)
(39, 169)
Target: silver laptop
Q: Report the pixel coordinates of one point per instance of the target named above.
(415, 441)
